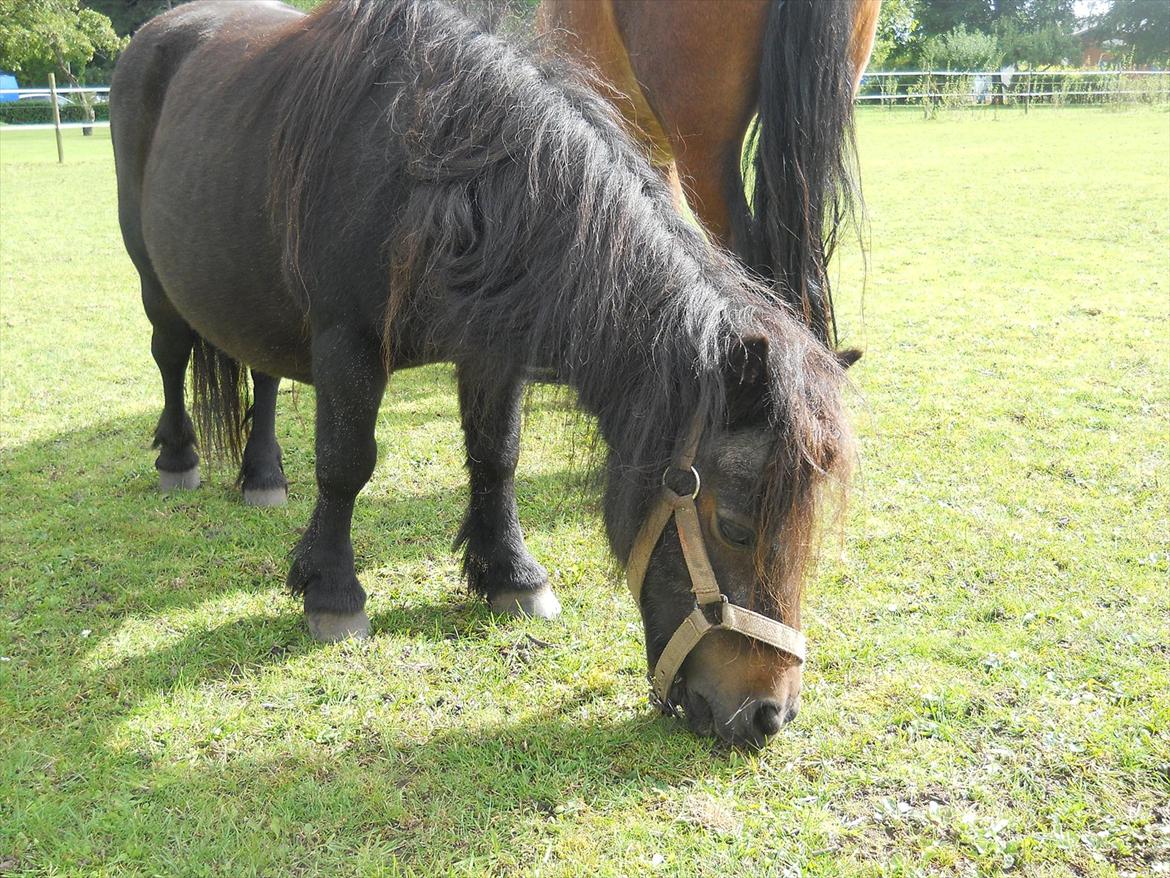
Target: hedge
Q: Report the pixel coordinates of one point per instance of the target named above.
(26, 113)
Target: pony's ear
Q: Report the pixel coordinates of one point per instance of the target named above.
(746, 377)
(848, 357)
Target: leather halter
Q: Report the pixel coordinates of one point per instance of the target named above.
(712, 611)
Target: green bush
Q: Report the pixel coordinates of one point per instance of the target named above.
(961, 49)
(15, 113)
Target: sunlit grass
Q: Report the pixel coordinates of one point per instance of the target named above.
(987, 689)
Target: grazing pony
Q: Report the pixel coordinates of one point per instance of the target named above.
(382, 184)
(691, 75)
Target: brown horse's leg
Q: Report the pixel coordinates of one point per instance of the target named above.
(702, 114)
(170, 345)
(588, 30)
(710, 194)
(677, 194)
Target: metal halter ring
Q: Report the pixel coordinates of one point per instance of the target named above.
(694, 472)
(714, 611)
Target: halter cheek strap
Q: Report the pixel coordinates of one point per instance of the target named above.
(712, 611)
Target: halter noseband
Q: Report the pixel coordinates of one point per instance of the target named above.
(712, 610)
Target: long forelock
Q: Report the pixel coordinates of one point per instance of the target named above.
(806, 476)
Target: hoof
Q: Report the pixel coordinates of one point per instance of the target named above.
(265, 496)
(540, 604)
(184, 481)
(332, 627)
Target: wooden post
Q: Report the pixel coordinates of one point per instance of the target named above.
(56, 118)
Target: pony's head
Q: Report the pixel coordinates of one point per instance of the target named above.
(717, 556)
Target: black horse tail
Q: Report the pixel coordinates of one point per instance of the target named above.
(220, 401)
(800, 151)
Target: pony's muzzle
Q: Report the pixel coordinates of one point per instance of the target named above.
(738, 691)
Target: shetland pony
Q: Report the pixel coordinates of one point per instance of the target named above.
(382, 184)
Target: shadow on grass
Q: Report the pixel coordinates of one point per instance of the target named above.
(86, 529)
(115, 595)
(89, 540)
(463, 801)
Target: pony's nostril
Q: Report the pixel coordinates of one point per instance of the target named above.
(769, 718)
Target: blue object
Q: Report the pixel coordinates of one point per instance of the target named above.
(7, 81)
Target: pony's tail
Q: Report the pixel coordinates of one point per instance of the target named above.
(220, 400)
(800, 151)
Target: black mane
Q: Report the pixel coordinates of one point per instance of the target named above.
(536, 233)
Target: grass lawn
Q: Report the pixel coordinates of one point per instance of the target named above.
(990, 648)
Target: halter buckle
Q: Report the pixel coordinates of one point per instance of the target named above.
(667, 708)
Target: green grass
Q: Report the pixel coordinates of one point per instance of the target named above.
(988, 684)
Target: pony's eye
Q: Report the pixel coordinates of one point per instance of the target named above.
(736, 534)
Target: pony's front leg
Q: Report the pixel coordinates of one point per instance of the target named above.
(495, 561)
(350, 379)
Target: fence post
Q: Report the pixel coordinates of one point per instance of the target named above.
(56, 118)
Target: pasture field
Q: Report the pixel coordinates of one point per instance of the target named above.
(990, 642)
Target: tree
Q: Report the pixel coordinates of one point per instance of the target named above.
(961, 49)
(38, 37)
(895, 31)
(936, 17)
(128, 15)
(1143, 25)
(1044, 46)
(1034, 32)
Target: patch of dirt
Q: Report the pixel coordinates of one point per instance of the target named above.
(708, 812)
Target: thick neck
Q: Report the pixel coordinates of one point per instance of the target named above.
(531, 234)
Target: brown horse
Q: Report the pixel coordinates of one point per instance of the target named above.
(690, 75)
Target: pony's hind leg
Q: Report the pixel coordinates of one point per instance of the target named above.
(261, 472)
(174, 437)
(495, 561)
(350, 379)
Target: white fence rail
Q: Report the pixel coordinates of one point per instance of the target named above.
(61, 90)
(931, 88)
(50, 126)
(888, 87)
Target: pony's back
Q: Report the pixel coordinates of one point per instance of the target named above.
(141, 83)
